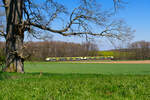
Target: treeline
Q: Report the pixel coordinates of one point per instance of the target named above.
(38, 51)
(41, 50)
(139, 50)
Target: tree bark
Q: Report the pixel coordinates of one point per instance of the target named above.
(14, 37)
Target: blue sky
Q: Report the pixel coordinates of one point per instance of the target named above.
(136, 14)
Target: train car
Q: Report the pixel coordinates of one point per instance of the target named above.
(79, 58)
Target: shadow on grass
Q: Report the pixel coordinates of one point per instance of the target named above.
(37, 75)
(4, 75)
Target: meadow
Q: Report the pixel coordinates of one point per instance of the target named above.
(86, 68)
(77, 81)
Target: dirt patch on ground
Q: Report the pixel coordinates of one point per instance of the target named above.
(124, 62)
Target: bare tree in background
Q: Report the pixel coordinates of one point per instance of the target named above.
(34, 16)
(140, 49)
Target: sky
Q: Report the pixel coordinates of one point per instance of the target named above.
(136, 13)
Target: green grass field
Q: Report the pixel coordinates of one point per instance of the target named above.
(87, 68)
(76, 81)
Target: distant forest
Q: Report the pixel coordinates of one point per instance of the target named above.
(38, 51)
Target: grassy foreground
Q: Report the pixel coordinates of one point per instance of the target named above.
(64, 82)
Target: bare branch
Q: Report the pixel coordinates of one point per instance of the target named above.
(63, 30)
(26, 12)
(5, 4)
(119, 4)
(2, 33)
(108, 32)
(103, 34)
(43, 27)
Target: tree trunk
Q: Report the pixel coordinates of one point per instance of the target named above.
(14, 37)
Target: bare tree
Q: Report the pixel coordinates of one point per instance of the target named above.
(140, 49)
(34, 16)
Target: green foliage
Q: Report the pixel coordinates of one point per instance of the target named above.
(106, 53)
(119, 55)
(74, 87)
(124, 55)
